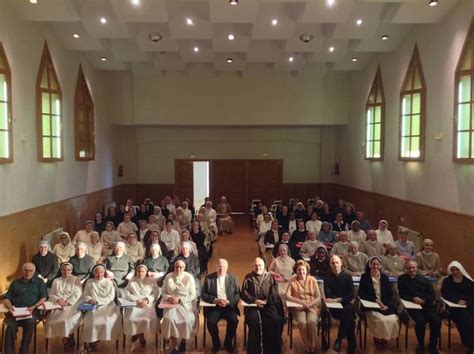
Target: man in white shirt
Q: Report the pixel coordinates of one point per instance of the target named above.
(222, 289)
(314, 224)
(127, 226)
(170, 237)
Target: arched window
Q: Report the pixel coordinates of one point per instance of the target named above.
(375, 116)
(84, 120)
(464, 118)
(412, 111)
(6, 150)
(49, 111)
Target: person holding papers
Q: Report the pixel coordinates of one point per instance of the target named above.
(104, 321)
(458, 288)
(119, 266)
(179, 303)
(415, 288)
(264, 315)
(375, 287)
(303, 289)
(65, 292)
(339, 289)
(157, 264)
(222, 290)
(142, 318)
(26, 293)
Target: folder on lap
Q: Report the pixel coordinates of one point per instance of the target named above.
(369, 304)
(411, 305)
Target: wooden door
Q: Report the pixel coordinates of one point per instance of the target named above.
(228, 178)
(183, 177)
(265, 180)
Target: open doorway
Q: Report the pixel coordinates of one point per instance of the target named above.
(200, 182)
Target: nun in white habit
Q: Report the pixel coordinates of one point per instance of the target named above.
(105, 321)
(66, 292)
(179, 296)
(142, 318)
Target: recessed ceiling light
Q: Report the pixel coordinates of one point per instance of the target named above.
(229, 60)
(189, 21)
(135, 2)
(231, 37)
(155, 36)
(359, 22)
(306, 37)
(234, 2)
(384, 37)
(103, 58)
(76, 35)
(33, 1)
(103, 20)
(331, 49)
(274, 22)
(433, 3)
(354, 59)
(291, 59)
(330, 3)
(196, 49)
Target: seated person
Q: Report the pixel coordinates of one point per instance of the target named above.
(265, 321)
(113, 217)
(109, 237)
(375, 287)
(170, 237)
(339, 225)
(46, 263)
(221, 288)
(285, 239)
(428, 261)
(314, 224)
(134, 248)
(299, 235)
(284, 218)
(180, 323)
(356, 233)
(105, 321)
(182, 220)
(341, 247)
(326, 235)
(326, 214)
(265, 225)
(310, 245)
(64, 249)
(152, 225)
(84, 235)
(355, 262)
(28, 291)
(339, 288)
(156, 263)
(303, 289)
(142, 318)
(458, 288)
(99, 223)
(392, 263)
(119, 266)
(81, 262)
(300, 212)
(372, 247)
(384, 235)
(143, 232)
(406, 248)
(95, 247)
(202, 245)
(269, 240)
(292, 223)
(319, 263)
(414, 287)
(66, 292)
(282, 269)
(225, 219)
(185, 236)
(155, 238)
(348, 215)
(190, 259)
(364, 223)
(127, 226)
(176, 225)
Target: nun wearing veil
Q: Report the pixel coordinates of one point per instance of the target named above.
(458, 287)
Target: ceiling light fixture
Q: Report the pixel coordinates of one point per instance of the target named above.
(103, 20)
(76, 35)
(306, 37)
(33, 1)
(231, 37)
(189, 21)
(330, 3)
(331, 49)
(274, 22)
(103, 59)
(155, 36)
(234, 2)
(354, 59)
(291, 59)
(135, 2)
(359, 22)
(384, 37)
(433, 3)
(196, 49)
(229, 60)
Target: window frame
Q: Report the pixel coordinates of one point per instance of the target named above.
(415, 64)
(8, 78)
(459, 73)
(376, 86)
(82, 89)
(45, 64)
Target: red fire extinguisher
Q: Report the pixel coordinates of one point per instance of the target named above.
(120, 171)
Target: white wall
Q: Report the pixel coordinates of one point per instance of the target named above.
(437, 181)
(300, 148)
(26, 183)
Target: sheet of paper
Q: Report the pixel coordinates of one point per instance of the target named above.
(244, 304)
(49, 305)
(411, 305)
(356, 279)
(126, 303)
(453, 304)
(20, 312)
(369, 304)
(334, 305)
(206, 304)
(293, 304)
(167, 305)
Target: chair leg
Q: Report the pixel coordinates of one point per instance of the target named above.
(406, 336)
(290, 330)
(204, 333)
(156, 340)
(449, 333)
(123, 341)
(34, 339)
(46, 343)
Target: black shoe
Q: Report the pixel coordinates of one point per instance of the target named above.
(420, 349)
(216, 348)
(230, 348)
(182, 346)
(434, 351)
(337, 345)
(134, 338)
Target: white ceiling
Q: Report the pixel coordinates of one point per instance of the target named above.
(257, 46)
